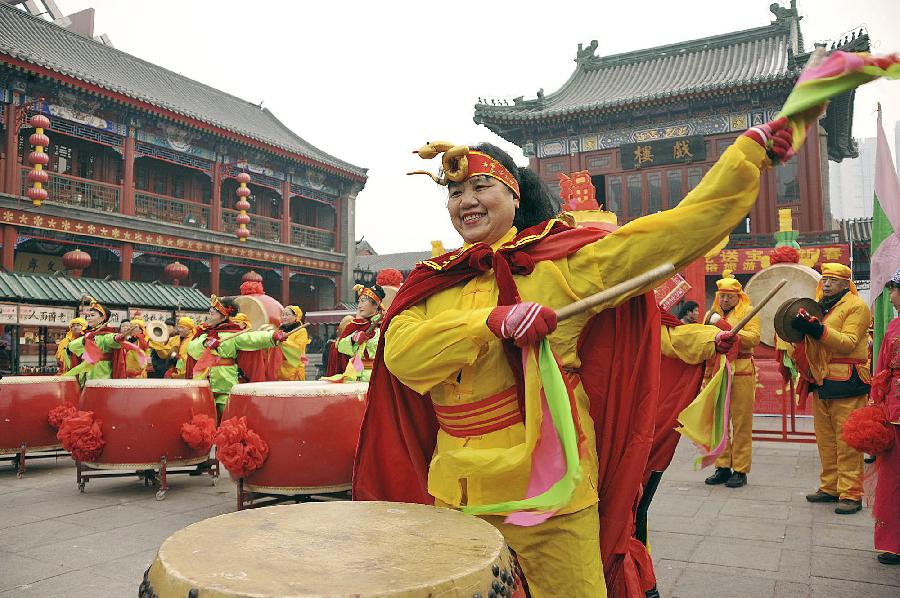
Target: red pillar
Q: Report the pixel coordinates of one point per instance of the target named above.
(337, 290)
(286, 212)
(9, 247)
(285, 285)
(214, 267)
(12, 151)
(695, 275)
(128, 179)
(337, 224)
(215, 205)
(127, 258)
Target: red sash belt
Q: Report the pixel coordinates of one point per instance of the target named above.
(481, 417)
(847, 360)
(223, 362)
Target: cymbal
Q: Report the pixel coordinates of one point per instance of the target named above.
(788, 311)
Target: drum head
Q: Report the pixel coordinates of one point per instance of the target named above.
(260, 309)
(788, 311)
(362, 549)
(801, 282)
(313, 388)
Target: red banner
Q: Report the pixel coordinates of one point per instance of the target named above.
(750, 261)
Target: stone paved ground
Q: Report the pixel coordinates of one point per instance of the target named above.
(763, 540)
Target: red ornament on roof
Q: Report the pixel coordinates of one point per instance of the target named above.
(76, 261)
(252, 275)
(176, 272)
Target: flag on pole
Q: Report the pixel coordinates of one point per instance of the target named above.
(885, 235)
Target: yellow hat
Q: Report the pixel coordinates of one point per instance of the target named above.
(187, 322)
(729, 285)
(139, 322)
(298, 312)
(242, 319)
(835, 270)
(78, 322)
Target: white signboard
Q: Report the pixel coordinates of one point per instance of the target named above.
(199, 317)
(38, 315)
(9, 314)
(149, 315)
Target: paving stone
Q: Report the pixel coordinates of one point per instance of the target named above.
(681, 525)
(129, 569)
(795, 565)
(39, 533)
(74, 583)
(673, 546)
(737, 507)
(843, 536)
(113, 516)
(791, 589)
(697, 584)
(18, 569)
(748, 529)
(734, 552)
(667, 573)
(853, 566)
(798, 536)
(831, 588)
(90, 550)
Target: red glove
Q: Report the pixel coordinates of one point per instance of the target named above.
(526, 323)
(725, 341)
(359, 336)
(212, 344)
(775, 137)
(279, 336)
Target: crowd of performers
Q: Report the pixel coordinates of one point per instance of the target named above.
(470, 370)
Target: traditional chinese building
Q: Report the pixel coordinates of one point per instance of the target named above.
(144, 165)
(647, 125)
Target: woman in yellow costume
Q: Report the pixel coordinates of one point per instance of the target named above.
(731, 305)
(449, 393)
(137, 357)
(186, 328)
(164, 356)
(288, 360)
(66, 361)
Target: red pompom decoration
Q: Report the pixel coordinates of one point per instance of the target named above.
(242, 204)
(35, 194)
(38, 176)
(242, 192)
(39, 121)
(252, 287)
(868, 430)
(242, 219)
(240, 449)
(785, 255)
(199, 433)
(61, 413)
(39, 158)
(242, 233)
(242, 177)
(389, 277)
(39, 139)
(80, 434)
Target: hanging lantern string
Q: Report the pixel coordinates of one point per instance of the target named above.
(242, 205)
(38, 177)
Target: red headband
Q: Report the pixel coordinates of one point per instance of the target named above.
(481, 163)
(371, 295)
(220, 307)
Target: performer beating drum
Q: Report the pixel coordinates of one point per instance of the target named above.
(288, 360)
(359, 338)
(362, 549)
(102, 350)
(445, 422)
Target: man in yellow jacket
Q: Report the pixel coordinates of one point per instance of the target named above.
(731, 305)
(834, 353)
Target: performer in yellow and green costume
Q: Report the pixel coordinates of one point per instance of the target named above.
(359, 346)
(288, 360)
(731, 305)
(833, 364)
(446, 383)
(66, 361)
(99, 349)
(186, 329)
(213, 352)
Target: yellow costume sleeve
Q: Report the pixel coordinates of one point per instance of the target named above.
(680, 235)
(424, 350)
(691, 343)
(750, 334)
(856, 326)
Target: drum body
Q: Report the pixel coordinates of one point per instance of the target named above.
(25, 402)
(141, 420)
(339, 548)
(801, 282)
(261, 309)
(311, 428)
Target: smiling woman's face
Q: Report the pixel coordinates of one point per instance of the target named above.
(481, 209)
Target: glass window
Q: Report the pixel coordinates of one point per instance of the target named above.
(177, 186)
(159, 183)
(695, 174)
(676, 187)
(614, 196)
(63, 156)
(654, 192)
(140, 177)
(787, 184)
(635, 196)
(86, 162)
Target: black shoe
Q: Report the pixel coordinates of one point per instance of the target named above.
(736, 480)
(848, 507)
(722, 475)
(652, 593)
(889, 558)
(869, 459)
(821, 496)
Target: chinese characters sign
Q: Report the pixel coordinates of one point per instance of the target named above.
(149, 315)
(661, 153)
(39, 315)
(9, 314)
(750, 261)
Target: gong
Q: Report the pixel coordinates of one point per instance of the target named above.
(801, 282)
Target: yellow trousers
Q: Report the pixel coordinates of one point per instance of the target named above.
(842, 466)
(560, 557)
(739, 450)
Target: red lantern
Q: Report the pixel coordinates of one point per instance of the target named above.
(39, 139)
(242, 177)
(39, 121)
(242, 205)
(251, 276)
(39, 158)
(176, 271)
(76, 260)
(38, 176)
(36, 195)
(243, 192)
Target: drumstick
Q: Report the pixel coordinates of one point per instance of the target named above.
(756, 309)
(623, 288)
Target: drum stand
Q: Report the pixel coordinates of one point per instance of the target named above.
(158, 477)
(247, 499)
(18, 457)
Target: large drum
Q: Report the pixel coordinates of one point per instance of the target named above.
(25, 403)
(262, 310)
(141, 420)
(361, 549)
(801, 282)
(311, 428)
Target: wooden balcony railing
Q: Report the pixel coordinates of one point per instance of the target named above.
(261, 227)
(75, 191)
(309, 236)
(170, 209)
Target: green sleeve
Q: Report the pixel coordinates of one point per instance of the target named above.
(346, 346)
(372, 343)
(106, 342)
(248, 341)
(195, 347)
(76, 346)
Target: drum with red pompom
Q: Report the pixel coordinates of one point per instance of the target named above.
(26, 403)
(310, 428)
(262, 310)
(143, 420)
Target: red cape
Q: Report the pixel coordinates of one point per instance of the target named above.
(337, 361)
(620, 349)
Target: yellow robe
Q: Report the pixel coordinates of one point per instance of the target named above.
(293, 348)
(691, 343)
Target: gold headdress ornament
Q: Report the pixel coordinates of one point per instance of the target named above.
(220, 307)
(460, 163)
(92, 304)
(362, 290)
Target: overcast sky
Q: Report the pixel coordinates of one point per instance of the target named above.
(371, 81)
